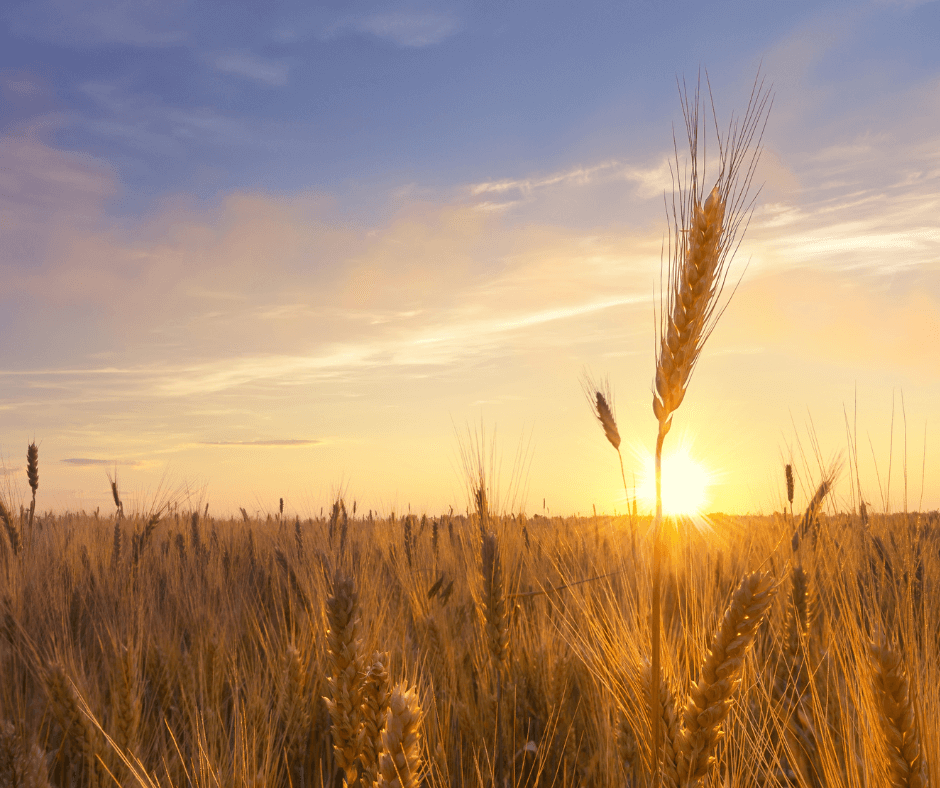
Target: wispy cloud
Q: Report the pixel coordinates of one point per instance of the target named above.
(650, 181)
(95, 461)
(413, 29)
(90, 23)
(147, 123)
(275, 443)
(246, 64)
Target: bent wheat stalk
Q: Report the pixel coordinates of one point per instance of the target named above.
(704, 235)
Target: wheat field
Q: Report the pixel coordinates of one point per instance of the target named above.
(172, 648)
(466, 650)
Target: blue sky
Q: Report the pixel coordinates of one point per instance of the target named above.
(353, 225)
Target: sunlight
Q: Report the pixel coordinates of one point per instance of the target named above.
(685, 484)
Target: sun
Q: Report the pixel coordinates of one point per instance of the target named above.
(685, 484)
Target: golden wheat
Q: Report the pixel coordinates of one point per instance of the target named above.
(710, 698)
(906, 767)
(400, 761)
(345, 680)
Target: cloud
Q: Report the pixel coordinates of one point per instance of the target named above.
(146, 123)
(276, 443)
(650, 181)
(95, 462)
(404, 28)
(245, 64)
(91, 23)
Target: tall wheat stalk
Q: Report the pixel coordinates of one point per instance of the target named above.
(704, 235)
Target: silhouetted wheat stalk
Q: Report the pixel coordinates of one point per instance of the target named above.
(704, 236)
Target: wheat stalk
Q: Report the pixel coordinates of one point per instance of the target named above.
(703, 238)
(906, 765)
(672, 730)
(496, 624)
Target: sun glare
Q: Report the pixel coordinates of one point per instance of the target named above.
(685, 484)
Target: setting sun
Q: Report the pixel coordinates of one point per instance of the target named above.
(685, 484)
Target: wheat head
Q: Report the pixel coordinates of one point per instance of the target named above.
(906, 765)
(495, 618)
(345, 680)
(710, 698)
(375, 700)
(400, 760)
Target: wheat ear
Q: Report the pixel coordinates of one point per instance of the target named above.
(809, 520)
(9, 523)
(67, 708)
(601, 400)
(375, 700)
(32, 474)
(345, 681)
(710, 698)
(400, 760)
(906, 765)
(126, 701)
(293, 703)
(496, 620)
(22, 760)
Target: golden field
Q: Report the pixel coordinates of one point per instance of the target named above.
(171, 648)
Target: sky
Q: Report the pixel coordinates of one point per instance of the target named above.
(253, 251)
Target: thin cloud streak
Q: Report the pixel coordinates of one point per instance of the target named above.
(96, 462)
(263, 443)
(437, 346)
(403, 28)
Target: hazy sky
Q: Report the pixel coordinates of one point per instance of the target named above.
(252, 250)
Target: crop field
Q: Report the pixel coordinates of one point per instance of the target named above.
(173, 648)
(487, 647)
